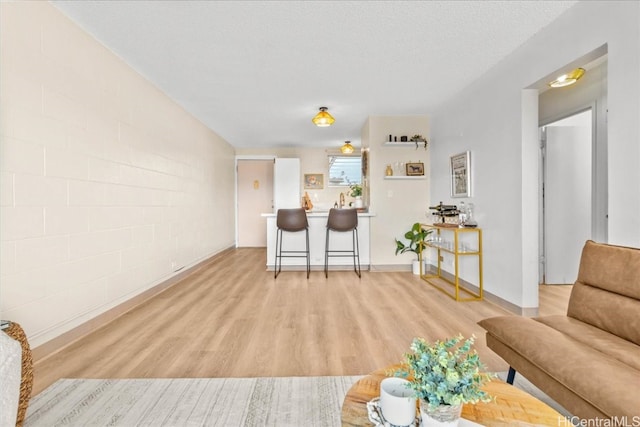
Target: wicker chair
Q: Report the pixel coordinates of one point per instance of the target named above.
(15, 331)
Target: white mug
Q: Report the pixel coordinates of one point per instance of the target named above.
(397, 401)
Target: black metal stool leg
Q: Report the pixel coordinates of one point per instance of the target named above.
(356, 252)
(308, 255)
(291, 221)
(275, 265)
(326, 255)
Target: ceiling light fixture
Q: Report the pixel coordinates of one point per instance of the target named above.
(568, 79)
(323, 119)
(347, 148)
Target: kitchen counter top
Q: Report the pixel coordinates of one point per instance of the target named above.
(317, 235)
(320, 213)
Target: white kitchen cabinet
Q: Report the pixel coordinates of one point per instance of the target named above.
(286, 184)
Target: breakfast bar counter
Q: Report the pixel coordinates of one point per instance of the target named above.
(317, 234)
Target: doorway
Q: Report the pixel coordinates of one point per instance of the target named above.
(254, 193)
(567, 195)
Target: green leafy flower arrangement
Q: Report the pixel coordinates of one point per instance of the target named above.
(356, 190)
(445, 373)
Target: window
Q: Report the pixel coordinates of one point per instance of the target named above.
(345, 170)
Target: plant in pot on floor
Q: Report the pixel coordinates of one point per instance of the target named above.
(444, 375)
(416, 238)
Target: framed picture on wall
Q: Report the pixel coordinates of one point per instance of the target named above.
(414, 169)
(460, 166)
(313, 181)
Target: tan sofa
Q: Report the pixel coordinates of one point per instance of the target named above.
(589, 360)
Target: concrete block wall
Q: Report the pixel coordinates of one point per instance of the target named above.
(106, 185)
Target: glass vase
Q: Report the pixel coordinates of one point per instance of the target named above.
(440, 416)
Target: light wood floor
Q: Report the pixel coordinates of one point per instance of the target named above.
(232, 319)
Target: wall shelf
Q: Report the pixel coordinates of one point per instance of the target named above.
(398, 177)
(401, 144)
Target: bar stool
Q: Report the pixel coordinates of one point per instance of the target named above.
(291, 220)
(343, 220)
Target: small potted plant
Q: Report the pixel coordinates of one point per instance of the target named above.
(418, 139)
(356, 191)
(416, 237)
(444, 375)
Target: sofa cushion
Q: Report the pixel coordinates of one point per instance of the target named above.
(609, 344)
(608, 311)
(579, 367)
(611, 268)
(607, 292)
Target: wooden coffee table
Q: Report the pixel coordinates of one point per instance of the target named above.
(512, 406)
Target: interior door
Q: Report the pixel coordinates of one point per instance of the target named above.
(255, 197)
(567, 200)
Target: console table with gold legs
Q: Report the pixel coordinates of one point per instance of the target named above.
(460, 247)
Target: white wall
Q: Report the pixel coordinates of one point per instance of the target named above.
(492, 119)
(398, 204)
(107, 186)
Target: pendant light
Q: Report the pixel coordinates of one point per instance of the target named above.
(323, 119)
(347, 148)
(568, 79)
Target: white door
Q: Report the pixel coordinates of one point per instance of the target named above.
(567, 199)
(255, 197)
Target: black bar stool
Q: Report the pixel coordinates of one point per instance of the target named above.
(291, 220)
(343, 220)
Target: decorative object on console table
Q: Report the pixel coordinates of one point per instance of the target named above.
(444, 212)
(415, 169)
(460, 172)
(404, 138)
(470, 220)
(444, 375)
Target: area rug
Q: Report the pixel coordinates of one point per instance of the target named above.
(291, 401)
(229, 402)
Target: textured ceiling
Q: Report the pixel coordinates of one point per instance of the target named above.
(256, 72)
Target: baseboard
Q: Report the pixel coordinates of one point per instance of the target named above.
(391, 267)
(56, 344)
(511, 307)
(488, 296)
